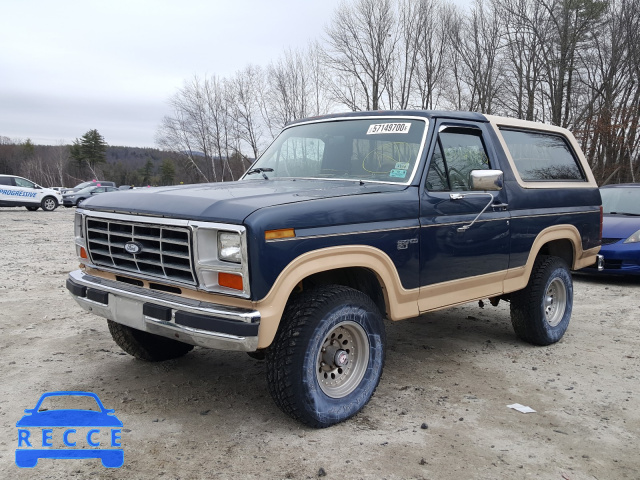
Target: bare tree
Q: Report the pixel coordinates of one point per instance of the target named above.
(523, 61)
(287, 90)
(296, 88)
(360, 49)
(406, 37)
(562, 38)
(478, 43)
(201, 128)
(609, 131)
(436, 21)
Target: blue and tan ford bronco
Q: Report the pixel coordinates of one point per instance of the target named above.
(345, 220)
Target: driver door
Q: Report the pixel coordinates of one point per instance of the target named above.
(460, 261)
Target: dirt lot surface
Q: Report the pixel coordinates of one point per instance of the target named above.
(440, 411)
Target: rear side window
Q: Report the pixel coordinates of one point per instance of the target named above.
(5, 181)
(542, 156)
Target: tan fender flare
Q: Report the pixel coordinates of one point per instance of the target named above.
(401, 303)
(517, 278)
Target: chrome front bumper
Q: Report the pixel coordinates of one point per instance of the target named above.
(184, 319)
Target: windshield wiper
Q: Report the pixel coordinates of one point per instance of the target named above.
(260, 170)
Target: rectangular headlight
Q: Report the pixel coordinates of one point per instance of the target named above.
(77, 226)
(229, 247)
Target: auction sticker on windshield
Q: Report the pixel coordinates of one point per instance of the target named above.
(377, 128)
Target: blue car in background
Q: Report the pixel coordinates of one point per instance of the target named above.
(30, 438)
(620, 229)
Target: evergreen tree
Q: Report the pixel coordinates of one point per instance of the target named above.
(167, 172)
(146, 172)
(90, 148)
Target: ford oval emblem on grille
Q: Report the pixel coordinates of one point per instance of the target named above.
(133, 247)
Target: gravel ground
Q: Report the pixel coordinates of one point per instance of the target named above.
(440, 411)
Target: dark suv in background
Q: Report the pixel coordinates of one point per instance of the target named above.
(91, 183)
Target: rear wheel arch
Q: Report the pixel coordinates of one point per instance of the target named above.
(561, 248)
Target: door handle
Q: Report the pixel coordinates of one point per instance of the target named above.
(500, 207)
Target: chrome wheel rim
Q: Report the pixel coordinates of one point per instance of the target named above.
(555, 302)
(343, 359)
(49, 204)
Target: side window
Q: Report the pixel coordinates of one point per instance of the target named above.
(21, 182)
(542, 156)
(5, 181)
(457, 153)
(99, 190)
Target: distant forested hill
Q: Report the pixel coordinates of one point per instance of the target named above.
(52, 165)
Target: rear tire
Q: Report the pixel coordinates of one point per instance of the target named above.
(327, 357)
(147, 346)
(540, 312)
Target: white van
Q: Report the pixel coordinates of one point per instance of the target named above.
(19, 192)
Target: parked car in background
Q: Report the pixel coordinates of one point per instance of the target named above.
(91, 183)
(72, 199)
(620, 229)
(19, 192)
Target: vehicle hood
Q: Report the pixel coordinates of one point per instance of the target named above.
(69, 418)
(51, 191)
(619, 226)
(228, 202)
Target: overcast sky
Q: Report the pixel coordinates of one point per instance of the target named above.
(70, 66)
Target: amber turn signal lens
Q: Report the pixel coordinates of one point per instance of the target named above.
(282, 233)
(83, 253)
(230, 280)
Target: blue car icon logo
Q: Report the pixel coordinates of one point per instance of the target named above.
(69, 433)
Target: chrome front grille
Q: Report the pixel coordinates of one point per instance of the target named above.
(165, 253)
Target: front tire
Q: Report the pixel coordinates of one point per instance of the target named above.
(540, 313)
(49, 204)
(147, 346)
(327, 357)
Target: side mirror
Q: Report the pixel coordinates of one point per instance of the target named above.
(491, 180)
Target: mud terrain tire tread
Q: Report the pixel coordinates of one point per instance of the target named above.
(292, 357)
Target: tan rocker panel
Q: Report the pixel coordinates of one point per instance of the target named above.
(457, 292)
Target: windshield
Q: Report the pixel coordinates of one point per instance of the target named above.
(379, 149)
(621, 200)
